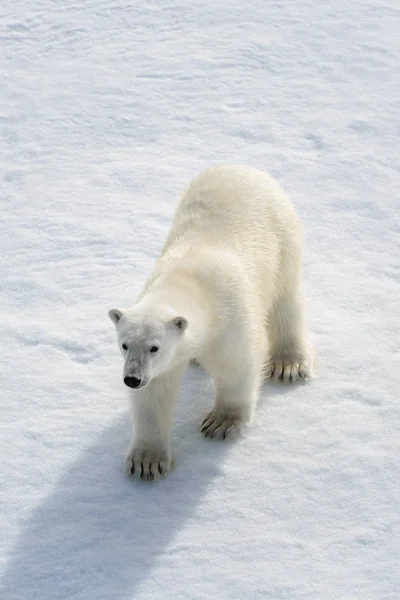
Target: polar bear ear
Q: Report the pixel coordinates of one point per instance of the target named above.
(181, 323)
(115, 314)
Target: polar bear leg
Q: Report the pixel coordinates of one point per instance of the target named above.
(234, 405)
(149, 453)
(290, 358)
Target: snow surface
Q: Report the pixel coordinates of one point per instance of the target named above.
(108, 108)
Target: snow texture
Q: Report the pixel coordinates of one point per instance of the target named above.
(108, 109)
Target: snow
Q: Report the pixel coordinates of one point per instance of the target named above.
(108, 109)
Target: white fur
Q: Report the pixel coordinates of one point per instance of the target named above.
(226, 292)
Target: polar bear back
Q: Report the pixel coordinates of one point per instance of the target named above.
(242, 210)
(234, 203)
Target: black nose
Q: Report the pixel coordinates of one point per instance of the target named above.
(132, 382)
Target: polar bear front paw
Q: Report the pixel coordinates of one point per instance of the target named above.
(221, 426)
(289, 370)
(147, 464)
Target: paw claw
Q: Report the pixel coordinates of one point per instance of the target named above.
(148, 465)
(220, 426)
(289, 370)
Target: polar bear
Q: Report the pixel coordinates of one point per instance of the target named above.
(226, 293)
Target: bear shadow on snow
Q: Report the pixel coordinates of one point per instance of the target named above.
(99, 534)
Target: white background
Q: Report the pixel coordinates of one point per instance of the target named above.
(107, 110)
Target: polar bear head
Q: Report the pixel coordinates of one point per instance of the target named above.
(151, 342)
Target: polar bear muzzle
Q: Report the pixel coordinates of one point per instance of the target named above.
(132, 382)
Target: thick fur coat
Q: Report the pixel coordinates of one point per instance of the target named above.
(225, 292)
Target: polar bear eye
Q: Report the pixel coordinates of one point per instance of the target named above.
(154, 349)
(124, 347)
